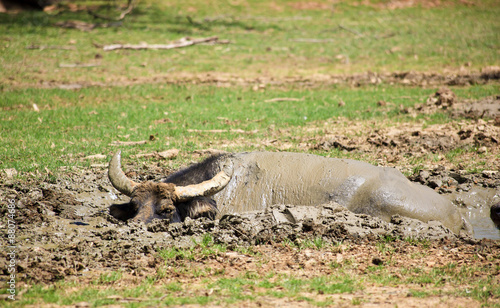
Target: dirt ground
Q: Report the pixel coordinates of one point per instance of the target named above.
(459, 77)
(64, 230)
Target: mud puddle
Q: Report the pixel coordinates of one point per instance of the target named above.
(475, 207)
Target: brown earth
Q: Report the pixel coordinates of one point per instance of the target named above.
(461, 77)
(64, 230)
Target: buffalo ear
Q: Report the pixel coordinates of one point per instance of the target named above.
(122, 211)
(198, 207)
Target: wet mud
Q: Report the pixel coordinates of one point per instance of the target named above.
(64, 227)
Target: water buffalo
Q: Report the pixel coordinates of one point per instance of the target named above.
(251, 181)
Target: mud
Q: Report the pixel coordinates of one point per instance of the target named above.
(65, 230)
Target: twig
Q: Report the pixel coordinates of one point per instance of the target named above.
(95, 156)
(283, 99)
(240, 131)
(184, 42)
(259, 18)
(351, 30)
(72, 65)
(130, 7)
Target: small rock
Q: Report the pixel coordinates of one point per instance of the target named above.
(435, 183)
(11, 173)
(482, 150)
(377, 261)
(489, 173)
(464, 187)
(424, 175)
(169, 154)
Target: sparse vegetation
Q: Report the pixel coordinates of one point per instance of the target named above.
(255, 285)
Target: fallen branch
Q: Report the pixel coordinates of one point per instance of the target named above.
(95, 156)
(72, 65)
(351, 30)
(283, 99)
(218, 131)
(183, 42)
(231, 18)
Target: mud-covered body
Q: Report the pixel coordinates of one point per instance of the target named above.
(256, 180)
(261, 179)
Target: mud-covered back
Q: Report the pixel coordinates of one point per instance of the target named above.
(261, 179)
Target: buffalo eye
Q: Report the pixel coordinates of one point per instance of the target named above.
(165, 206)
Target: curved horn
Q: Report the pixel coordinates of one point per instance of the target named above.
(119, 180)
(207, 188)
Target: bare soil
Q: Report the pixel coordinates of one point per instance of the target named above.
(461, 77)
(65, 232)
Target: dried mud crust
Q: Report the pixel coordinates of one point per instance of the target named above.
(410, 78)
(476, 134)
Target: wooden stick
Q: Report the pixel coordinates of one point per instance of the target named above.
(283, 99)
(184, 42)
(351, 30)
(240, 131)
(71, 65)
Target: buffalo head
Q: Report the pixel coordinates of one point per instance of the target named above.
(151, 200)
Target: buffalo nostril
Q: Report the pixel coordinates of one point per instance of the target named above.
(495, 214)
(495, 209)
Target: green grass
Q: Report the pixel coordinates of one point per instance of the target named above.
(260, 33)
(73, 124)
(109, 278)
(206, 248)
